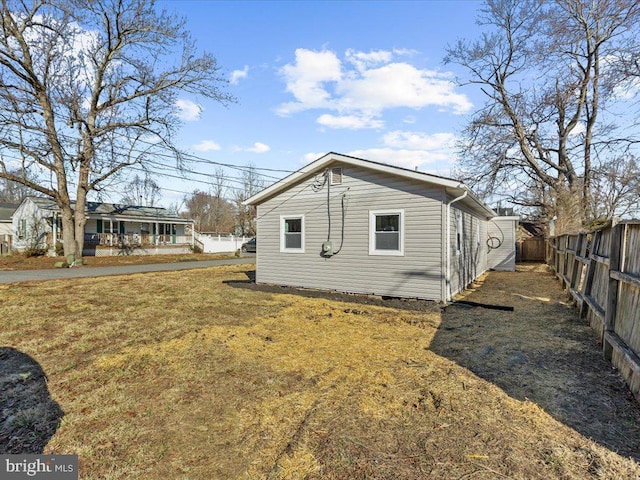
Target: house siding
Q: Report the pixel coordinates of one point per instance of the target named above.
(503, 256)
(416, 274)
(470, 261)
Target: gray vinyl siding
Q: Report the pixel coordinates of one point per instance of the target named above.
(503, 230)
(470, 261)
(417, 274)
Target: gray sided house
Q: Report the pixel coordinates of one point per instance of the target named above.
(352, 225)
(111, 229)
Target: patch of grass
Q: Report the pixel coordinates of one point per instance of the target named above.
(180, 375)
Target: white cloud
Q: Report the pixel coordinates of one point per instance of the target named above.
(627, 90)
(353, 122)
(579, 129)
(362, 60)
(401, 85)
(306, 77)
(189, 111)
(364, 86)
(206, 146)
(311, 156)
(400, 157)
(257, 147)
(409, 150)
(419, 140)
(236, 75)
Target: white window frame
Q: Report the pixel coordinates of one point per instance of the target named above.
(372, 232)
(283, 249)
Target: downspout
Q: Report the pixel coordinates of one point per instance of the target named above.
(448, 271)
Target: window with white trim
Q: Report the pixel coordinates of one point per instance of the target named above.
(386, 232)
(292, 233)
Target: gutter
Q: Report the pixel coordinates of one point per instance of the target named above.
(448, 270)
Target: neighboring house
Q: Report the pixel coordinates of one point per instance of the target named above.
(6, 229)
(531, 229)
(351, 225)
(111, 229)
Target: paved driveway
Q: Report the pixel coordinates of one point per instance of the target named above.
(83, 272)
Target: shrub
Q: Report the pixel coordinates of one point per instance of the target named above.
(59, 249)
(34, 252)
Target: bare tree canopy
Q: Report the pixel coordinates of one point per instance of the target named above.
(550, 70)
(14, 192)
(211, 213)
(141, 191)
(252, 183)
(88, 88)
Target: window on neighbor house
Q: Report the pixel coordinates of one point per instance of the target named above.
(110, 227)
(386, 232)
(22, 228)
(292, 234)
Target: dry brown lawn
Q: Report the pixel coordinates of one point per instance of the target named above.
(190, 375)
(20, 262)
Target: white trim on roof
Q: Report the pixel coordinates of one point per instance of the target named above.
(330, 157)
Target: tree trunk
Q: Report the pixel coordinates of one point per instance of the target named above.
(68, 231)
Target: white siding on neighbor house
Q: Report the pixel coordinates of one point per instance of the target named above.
(470, 261)
(502, 239)
(37, 226)
(6, 228)
(417, 273)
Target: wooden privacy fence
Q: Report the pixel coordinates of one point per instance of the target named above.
(531, 249)
(601, 271)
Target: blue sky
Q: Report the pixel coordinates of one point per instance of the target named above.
(359, 78)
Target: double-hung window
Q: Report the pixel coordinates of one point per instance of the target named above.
(292, 233)
(386, 232)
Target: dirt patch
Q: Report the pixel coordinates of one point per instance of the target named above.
(180, 375)
(543, 353)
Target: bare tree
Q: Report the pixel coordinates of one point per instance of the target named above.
(540, 65)
(88, 88)
(252, 183)
(13, 192)
(141, 191)
(616, 188)
(209, 212)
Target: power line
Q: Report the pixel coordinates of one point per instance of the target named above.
(189, 156)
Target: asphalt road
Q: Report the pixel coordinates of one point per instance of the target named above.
(84, 272)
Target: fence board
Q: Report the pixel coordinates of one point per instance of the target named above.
(601, 271)
(532, 249)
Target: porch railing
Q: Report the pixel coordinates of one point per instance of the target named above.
(135, 239)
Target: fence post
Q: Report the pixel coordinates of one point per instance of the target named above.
(612, 291)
